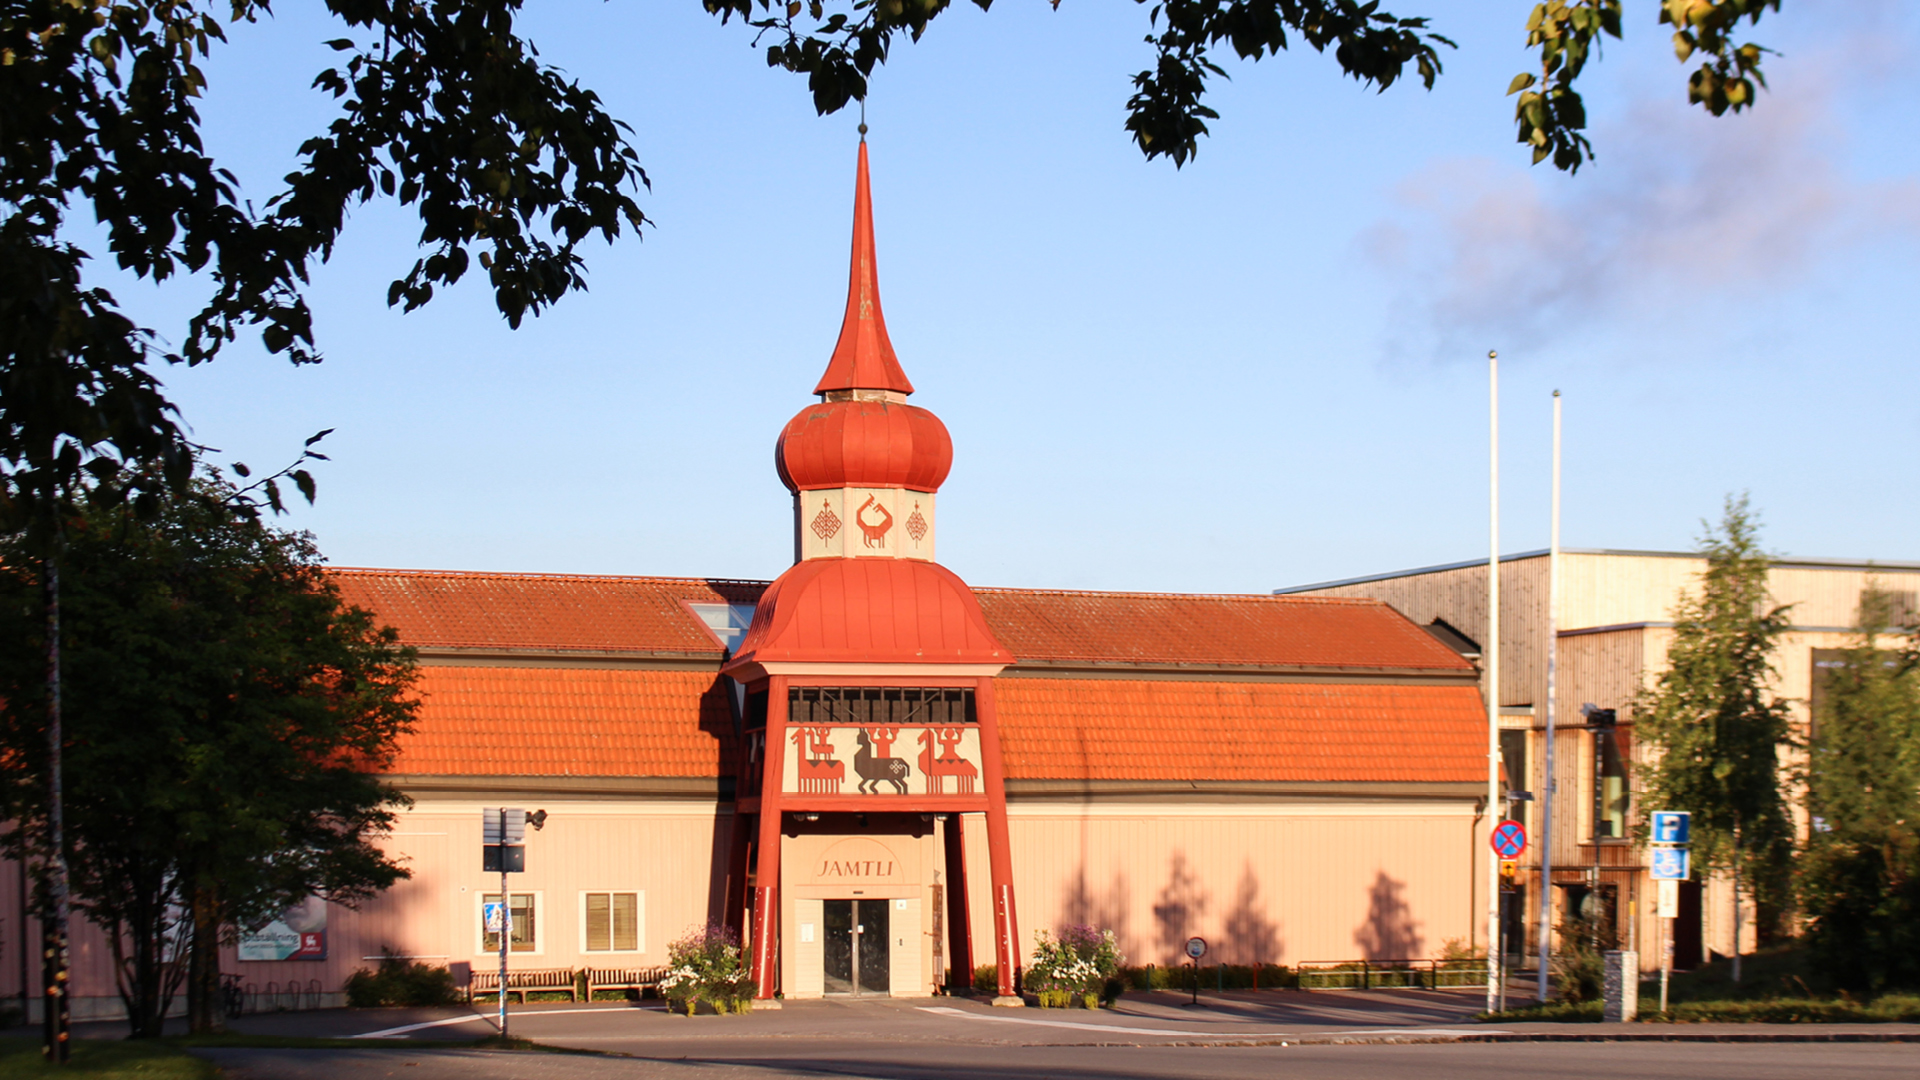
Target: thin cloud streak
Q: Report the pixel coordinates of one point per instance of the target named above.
(1681, 212)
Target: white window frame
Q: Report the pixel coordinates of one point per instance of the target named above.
(639, 918)
(540, 912)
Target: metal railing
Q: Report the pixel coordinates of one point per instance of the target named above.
(1390, 974)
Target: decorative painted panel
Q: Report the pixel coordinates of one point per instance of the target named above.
(863, 522)
(882, 760)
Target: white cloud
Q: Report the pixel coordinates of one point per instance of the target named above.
(1681, 214)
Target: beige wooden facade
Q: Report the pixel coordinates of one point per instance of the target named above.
(1616, 619)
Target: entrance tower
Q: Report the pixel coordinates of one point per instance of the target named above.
(869, 668)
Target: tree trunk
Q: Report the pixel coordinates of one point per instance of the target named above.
(1736, 898)
(206, 1010)
(59, 969)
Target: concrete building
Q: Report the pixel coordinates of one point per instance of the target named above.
(1616, 621)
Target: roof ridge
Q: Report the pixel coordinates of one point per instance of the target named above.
(1263, 597)
(371, 571)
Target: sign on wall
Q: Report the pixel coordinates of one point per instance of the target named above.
(300, 933)
(891, 759)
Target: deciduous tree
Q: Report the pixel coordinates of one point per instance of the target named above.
(1714, 726)
(225, 716)
(1860, 875)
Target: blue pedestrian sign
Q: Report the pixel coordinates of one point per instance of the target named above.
(1671, 864)
(1672, 826)
(493, 916)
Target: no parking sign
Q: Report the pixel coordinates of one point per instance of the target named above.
(1509, 839)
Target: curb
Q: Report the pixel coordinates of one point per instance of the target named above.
(1700, 1037)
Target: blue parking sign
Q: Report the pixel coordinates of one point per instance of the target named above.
(1672, 826)
(1670, 864)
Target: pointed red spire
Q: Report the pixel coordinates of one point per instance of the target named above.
(863, 359)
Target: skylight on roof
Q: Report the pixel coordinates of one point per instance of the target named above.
(726, 622)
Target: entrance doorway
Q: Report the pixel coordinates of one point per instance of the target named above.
(855, 948)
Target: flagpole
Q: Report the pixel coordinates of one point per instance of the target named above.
(1491, 650)
(1553, 651)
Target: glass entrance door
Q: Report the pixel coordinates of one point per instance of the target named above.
(855, 950)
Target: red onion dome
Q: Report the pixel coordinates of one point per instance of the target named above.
(863, 444)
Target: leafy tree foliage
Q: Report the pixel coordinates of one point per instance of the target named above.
(442, 105)
(224, 715)
(838, 44)
(1860, 877)
(1714, 725)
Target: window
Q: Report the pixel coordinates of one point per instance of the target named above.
(612, 921)
(524, 937)
(726, 622)
(867, 705)
(1609, 783)
(1513, 762)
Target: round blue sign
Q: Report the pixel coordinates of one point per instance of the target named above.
(1509, 839)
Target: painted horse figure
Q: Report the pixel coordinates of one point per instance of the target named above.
(875, 771)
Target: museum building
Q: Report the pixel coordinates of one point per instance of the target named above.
(882, 777)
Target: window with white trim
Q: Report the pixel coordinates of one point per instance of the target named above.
(611, 921)
(524, 912)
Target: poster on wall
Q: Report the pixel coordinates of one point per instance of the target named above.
(300, 933)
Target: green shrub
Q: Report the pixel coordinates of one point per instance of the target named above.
(401, 982)
(986, 979)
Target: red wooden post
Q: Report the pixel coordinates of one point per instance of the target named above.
(1006, 921)
(766, 882)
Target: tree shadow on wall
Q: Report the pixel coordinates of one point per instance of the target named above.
(1082, 907)
(1182, 903)
(1252, 938)
(1390, 932)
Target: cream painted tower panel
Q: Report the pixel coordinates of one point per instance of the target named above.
(856, 522)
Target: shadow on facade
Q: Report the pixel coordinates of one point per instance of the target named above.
(1390, 932)
(1179, 910)
(1251, 937)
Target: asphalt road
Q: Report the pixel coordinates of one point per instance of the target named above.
(834, 1059)
(1269, 1036)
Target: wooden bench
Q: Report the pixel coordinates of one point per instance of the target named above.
(523, 982)
(634, 979)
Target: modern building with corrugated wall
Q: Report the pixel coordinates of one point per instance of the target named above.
(1616, 622)
(883, 778)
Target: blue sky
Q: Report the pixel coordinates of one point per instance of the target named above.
(1262, 370)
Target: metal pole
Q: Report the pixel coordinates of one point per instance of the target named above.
(1491, 650)
(506, 922)
(1666, 963)
(1553, 651)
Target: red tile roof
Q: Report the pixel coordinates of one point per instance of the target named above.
(547, 721)
(1128, 729)
(492, 721)
(644, 616)
(1164, 628)
(570, 612)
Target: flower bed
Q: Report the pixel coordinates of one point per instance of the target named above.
(1078, 967)
(705, 968)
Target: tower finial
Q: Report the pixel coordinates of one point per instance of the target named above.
(863, 359)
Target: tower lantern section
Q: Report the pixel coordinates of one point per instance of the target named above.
(863, 465)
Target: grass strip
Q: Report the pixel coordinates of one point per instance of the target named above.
(145, 1059)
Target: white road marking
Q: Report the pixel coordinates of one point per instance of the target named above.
(486, 1017)
(1121, 1030)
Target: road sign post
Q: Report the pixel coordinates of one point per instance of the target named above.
(503, 848)
(1196, 948)
(1669, 863)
